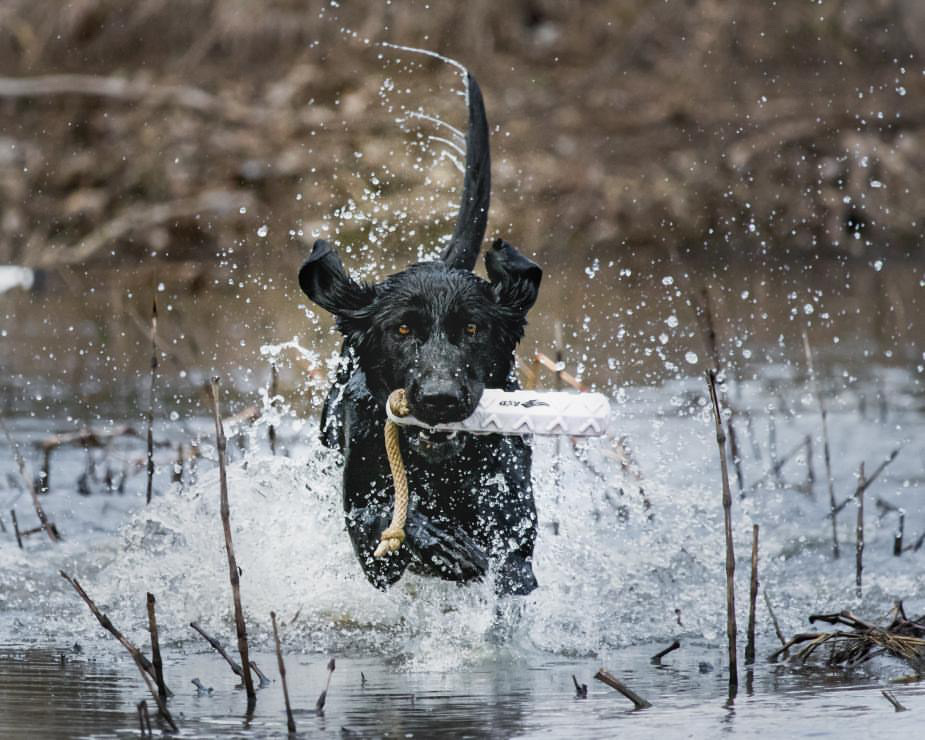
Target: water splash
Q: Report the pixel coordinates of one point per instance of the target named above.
(630, 548)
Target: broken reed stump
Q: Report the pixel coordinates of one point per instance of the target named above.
(290, 720)
(86, 438)
(217, 646)
(149, 490)
(319, 705)
(156, 650)
(271, 429)
(859, 549)
(144, 665)
(898, 537)
(144, 719)
(868, 481)
(16, 528)
(261, 676)
(778, 631)
(615, 683)
(50, 529)
(810, 470)
(177, 475)
(772, 449)
(657, 658)
(727, 525)
(704, 311)
(752, 599)
(889, 696)
(233, 572)
(776, 468)
(826, 449)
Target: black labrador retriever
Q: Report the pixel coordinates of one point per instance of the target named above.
(443, 334)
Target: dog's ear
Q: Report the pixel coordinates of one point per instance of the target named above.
(516, 279)
(324, 280)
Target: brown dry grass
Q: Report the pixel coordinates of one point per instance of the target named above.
(625, 126)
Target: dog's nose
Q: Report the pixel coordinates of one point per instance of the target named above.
(439, 402)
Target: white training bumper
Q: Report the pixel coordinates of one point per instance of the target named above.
(544, 413)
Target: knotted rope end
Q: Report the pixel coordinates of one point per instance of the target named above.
(390, 541)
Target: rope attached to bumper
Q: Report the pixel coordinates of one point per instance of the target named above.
(394, 535)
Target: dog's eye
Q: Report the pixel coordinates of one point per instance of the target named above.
(404, 330)
(471, 329)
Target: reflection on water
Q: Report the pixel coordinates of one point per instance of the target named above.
(47, 694)
(42, 696)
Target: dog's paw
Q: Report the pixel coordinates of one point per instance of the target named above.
(446, 552)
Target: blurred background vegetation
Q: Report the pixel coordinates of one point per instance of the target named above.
(199, 145)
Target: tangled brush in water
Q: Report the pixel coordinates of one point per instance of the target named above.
(903, 638)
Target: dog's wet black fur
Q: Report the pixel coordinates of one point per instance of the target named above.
(443, 334)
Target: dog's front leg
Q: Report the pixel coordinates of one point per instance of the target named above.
(443, 551)
(508, 514)
(365, 525)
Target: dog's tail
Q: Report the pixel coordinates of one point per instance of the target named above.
(466, 242)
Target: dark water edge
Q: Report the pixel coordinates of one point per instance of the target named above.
(57, 693)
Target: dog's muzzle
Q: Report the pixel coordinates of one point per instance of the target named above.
(436, 446)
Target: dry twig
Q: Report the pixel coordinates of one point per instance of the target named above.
(217, 646)
(889, 696)
(290, 720)
(615, 683)
(144, 665)
(777, 630)
(50, 529)
(156, 650)
(319, 705)
(657, 658)
(753, 597)
(859, 548)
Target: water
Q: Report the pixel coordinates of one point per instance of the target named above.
(501, 697)
(637, 562)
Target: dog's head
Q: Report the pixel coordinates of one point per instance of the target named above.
(441, 333)
(436, 329)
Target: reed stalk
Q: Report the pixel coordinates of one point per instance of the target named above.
(233, 572)
(727, 522)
